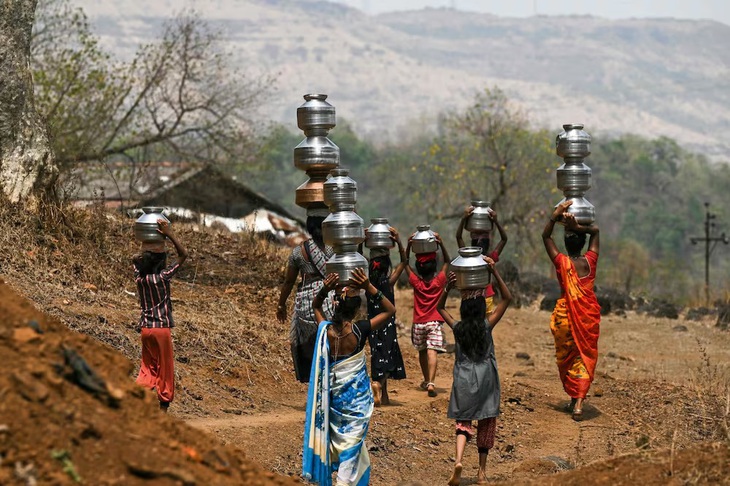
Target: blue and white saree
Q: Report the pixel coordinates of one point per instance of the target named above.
(339, 406)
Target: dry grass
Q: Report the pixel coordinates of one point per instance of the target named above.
(76, 264)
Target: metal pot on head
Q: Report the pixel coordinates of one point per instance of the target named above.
(424, 241)
(378, 234)
(145, 228)
(343, 227)
(345, 260)
(472, 272)
(480, 220)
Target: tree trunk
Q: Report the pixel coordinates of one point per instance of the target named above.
(27, 165)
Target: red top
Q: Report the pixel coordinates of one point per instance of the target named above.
(426, 296)
(489, 291)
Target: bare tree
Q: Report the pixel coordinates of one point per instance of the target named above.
(26, 160)
(178, 97)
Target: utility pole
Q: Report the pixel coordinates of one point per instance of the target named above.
(709, 227)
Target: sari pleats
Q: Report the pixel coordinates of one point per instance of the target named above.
(575, 324)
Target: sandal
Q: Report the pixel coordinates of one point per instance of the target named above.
(423, 386)
(431, 390)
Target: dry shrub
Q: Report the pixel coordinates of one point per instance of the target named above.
(710, 383)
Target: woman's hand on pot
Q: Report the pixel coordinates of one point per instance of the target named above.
(359, 279)
(490, 263)
(330, 281)
(451, 281)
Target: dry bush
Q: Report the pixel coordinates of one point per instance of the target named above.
(711, 385)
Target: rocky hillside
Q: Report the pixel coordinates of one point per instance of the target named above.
(650, 77)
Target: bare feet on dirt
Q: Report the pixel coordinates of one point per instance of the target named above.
(376, 393)
(455, 479)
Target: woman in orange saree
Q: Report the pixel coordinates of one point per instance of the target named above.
(575, 322)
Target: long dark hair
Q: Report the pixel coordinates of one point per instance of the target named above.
(345, 308)
(150, 262)
(470, 332)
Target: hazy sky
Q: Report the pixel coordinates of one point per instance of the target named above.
(686, 9)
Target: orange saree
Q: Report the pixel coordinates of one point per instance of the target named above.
(575, 326)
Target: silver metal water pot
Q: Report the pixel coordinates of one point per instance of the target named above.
(315, 116)
(479, 221)
(340, 189)
(573, 142)
(316, 153)
(344, 261)
(145, 228)
(582, 209)
(424, 241)
(472, 272)
(378, 234)
(344, 227)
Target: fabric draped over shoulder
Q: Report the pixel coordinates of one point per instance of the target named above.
(575, 324)
(339, 407)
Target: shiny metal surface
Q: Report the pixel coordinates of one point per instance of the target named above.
(573, 142)
(343, 228)
(145, 227)
(582, 209)
(316, 116)
(470, 268)
(479, 221)
(574, 178)
(424, 240)
(343, 263)
(340, 189)
(378, 234)
(316, 153)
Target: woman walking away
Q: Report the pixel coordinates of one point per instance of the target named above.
(157, 371)
(308, 260)
(386, 360)
(576, 319)
(483, 240)
(339, 401)
(427, 334)
(475, 393)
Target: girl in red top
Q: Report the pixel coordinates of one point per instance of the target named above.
(427, 332)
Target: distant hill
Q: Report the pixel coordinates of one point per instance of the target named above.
(393, 73)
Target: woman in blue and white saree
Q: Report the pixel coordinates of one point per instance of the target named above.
(340, 400)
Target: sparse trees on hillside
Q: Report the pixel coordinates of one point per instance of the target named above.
(178, 97)
(487, 152)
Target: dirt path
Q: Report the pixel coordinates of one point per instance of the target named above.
(641, 361)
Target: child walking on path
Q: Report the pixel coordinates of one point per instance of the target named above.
(475, 393)
(157, 370)
(427, 333)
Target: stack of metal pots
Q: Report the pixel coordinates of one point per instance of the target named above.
(316, 154)
(343, 229)
(480, 221)
(472, 272)
(574, 177)
(424, 241)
